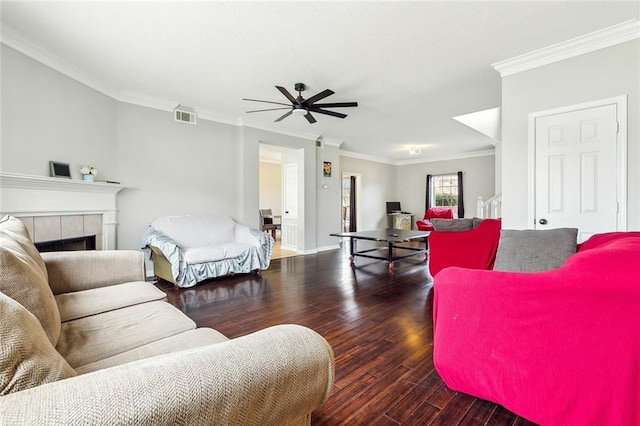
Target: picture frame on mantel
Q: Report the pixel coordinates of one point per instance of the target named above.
(60, 170)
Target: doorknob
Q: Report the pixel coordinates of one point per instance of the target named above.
(542, 221)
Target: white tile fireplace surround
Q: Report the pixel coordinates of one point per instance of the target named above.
(59, 208)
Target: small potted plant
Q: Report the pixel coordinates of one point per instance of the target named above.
(88, 173)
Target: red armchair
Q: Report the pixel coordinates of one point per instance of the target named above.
(424, 224)
(559, 347)
(474, 249)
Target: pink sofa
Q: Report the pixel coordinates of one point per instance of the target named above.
(560, 347)
(425, 224)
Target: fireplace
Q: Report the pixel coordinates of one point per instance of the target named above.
(56, 209)
(87, 242)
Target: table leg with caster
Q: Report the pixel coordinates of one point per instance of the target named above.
(352, 248)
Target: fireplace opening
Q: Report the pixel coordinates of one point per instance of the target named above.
(69, 244)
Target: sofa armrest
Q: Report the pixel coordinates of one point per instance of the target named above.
(81, 270)
(274, 376)
(261, 240)
(170, 249)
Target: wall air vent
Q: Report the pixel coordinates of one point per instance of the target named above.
(185, 114)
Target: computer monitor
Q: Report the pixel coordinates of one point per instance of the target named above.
(393, 206)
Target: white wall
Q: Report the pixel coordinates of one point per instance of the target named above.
(48, 116)
(270, 187)
(606, 73)
(478, 180)
(328, 200)
(378, 183)
(172, 168)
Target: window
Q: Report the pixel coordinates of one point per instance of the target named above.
(446, 191)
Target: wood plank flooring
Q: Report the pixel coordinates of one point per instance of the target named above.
(380, 328)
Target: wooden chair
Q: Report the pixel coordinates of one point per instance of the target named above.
(267, 222)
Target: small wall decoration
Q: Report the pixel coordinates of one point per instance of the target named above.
(326, 168)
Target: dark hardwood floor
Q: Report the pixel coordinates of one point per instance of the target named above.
(380, 328)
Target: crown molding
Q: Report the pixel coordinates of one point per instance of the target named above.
(274, 129)
(483, 153)
(420, 160)
(15, 40)
(332, 141)
(366, 157)
(606, 37)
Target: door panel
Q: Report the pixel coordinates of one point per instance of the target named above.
(290, 212)
(576, 170)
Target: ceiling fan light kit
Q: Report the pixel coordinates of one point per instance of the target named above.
(300, 106)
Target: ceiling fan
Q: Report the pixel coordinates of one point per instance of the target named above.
(301, 106)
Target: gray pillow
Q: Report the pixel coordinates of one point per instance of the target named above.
(535, 250)
(452, 224)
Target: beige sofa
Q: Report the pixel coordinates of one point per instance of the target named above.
(86, 341)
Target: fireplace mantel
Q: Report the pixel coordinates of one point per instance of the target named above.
(15, 180)
(35, 196)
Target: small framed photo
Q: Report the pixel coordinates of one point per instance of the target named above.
(60, 170)
(326, 168)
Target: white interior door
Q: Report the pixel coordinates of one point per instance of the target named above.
(577, 170)
(290, 210)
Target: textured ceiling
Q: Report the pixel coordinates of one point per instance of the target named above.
(411, 66)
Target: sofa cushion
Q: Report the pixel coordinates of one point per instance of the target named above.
(196, 230)
(90, 339)
(27, 357)
(453, 225)
(23, 276)
(94, 301)
(535, 250)
(183, 341)
(220, 251)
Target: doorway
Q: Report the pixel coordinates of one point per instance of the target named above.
(273, 160)
(579, 167)
(351, 184)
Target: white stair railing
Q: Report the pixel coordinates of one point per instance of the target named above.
(490, 208)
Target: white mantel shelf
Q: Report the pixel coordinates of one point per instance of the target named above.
(25, 196)
(16, 180)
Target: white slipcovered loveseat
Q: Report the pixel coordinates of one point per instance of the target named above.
(189, 249)
(85, 341)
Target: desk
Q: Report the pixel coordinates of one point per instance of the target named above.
(392, 237)
(399, 220)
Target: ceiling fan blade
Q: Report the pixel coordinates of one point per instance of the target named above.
(317, 97)
(266, 102)
(310, 118)
(324, 111)
(336, 105)
(270, 109)
(288, 95)
(286, 114)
